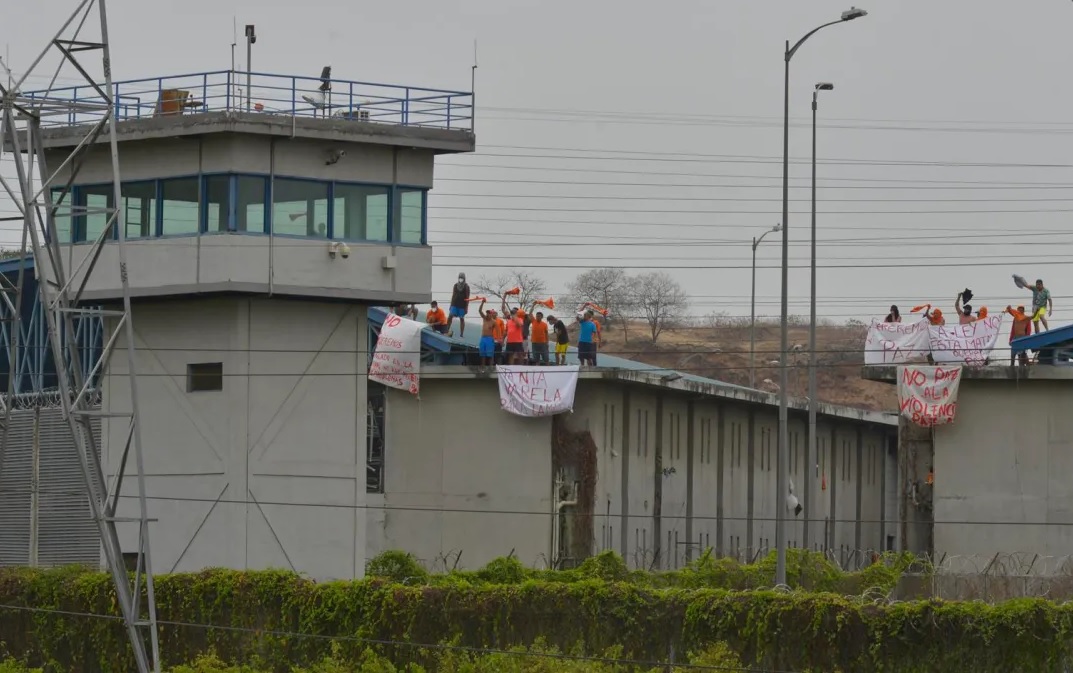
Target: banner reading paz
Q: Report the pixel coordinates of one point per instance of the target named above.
(928, 396)
(397, 362)
(537, 391)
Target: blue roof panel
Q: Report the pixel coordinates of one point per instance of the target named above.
(1051, 338)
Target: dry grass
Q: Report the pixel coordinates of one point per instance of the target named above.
(719, 349)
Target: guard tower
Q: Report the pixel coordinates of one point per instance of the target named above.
(263, 214)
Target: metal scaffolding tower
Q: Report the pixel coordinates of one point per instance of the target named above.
(22, 142)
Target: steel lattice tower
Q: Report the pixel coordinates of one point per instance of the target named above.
(60, 296)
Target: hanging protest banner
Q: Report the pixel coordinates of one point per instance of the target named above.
(537, 391)
(397, 361)
(969, 344)
(928, 396)
(892, 343)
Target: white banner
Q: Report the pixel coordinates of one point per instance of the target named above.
(892, 343)
(928, 396)
(537, 391)
(397, 362)
(969, 344)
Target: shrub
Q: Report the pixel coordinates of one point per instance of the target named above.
(397, 566)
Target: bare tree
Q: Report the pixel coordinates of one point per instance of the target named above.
(608, 288)
(532, 287)
(660, 300)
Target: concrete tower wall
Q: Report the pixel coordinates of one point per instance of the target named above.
(287, 425)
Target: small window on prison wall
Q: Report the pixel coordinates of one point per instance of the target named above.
(204, 376)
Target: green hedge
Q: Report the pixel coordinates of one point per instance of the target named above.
(277, 620)
(518, 660)
(804, 570)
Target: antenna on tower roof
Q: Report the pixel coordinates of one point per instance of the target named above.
(473, 91)
(234, 41)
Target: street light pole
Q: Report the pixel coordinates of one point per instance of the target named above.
(752, 310)
(822, 86)
(782, 487)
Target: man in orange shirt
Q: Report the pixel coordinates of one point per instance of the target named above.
(1022, 326)
(539, 334)
(436, 319)
(516, 338)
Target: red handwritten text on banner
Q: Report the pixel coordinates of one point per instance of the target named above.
(397, 361)
(928, 396)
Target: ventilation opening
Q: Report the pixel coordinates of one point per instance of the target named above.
(204, 376)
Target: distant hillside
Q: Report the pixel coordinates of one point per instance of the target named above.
(721, 351)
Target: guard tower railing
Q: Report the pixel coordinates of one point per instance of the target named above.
(268, 94)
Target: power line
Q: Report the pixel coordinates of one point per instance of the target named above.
(583, 154)
(737, 199)
(541, 513)
(772, 185)
(562, 169)
(759, 212)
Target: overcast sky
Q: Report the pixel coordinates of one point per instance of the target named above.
(943, 160)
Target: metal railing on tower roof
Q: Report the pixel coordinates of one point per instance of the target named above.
(267, 93)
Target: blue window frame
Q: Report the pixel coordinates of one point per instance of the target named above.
(408, 216)
(361, 212)
(300, 207)
(251, 204)
(215, 211)
(97, 200)
(62, 217)
(179, 206)
(138, 209)
(256, 204)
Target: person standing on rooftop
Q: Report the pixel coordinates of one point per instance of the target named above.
(588, 339)
(1042, 305)
(459, 306)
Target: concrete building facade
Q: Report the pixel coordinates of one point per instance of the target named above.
(994, 484)
(681, 466)
(259, 241)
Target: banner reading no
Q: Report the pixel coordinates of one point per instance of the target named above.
(928, 396)
(397, 362)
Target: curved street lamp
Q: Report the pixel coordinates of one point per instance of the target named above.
(752, 311)
(782, 485)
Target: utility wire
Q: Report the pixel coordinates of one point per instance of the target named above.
(539, 513)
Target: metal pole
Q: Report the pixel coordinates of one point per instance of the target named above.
(35, 487)
(752, 323)
(249, 67)
(812, 311)
(784, 430)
